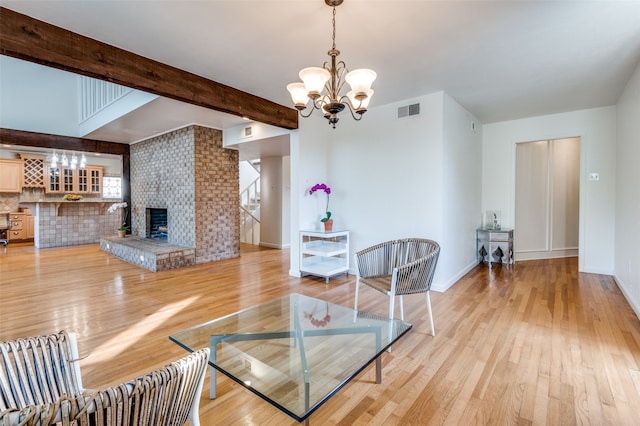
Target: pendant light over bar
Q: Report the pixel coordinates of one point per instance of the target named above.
(331, 78)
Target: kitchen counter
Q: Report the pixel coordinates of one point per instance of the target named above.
(67, 223)
(102, 204)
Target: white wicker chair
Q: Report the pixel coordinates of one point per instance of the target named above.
(168, 396)
(398, 268)
(39, 370)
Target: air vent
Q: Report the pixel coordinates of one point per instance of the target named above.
(408, 110)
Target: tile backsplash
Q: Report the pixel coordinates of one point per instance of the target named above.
(9, 202)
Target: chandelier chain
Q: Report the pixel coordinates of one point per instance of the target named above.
(333, 21)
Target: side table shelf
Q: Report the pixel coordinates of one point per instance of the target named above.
(324, 254)
(495, 246)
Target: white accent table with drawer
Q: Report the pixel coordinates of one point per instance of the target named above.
(324, 254)
(495, 246)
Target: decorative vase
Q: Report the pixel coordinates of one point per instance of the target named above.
(122, 234)
(328, 225)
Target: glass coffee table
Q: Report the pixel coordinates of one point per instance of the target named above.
(295, 352)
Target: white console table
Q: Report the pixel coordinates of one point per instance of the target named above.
(324, 254)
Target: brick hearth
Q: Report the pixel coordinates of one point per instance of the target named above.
(150, 254)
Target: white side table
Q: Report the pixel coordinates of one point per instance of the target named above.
(324, 254)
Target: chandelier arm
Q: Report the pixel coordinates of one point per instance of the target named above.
(356, 116)
(318, 103)
(302, 114)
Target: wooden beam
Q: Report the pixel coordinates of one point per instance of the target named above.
(44, 140)
(36, 41)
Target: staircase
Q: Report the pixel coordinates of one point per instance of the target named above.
(250, 202)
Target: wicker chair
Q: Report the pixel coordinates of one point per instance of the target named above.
(397, 268)
(39, 370)
(168, 396)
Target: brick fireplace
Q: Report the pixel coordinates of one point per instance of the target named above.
(189, 173)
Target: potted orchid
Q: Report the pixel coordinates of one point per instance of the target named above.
(327, 221)
(122, 229)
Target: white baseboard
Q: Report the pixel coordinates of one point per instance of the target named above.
(541, 255)
(627, 296)
(442, 287)
(294, 273)
(597, 271)
(275, 246)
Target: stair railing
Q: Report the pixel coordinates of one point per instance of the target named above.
(249, 205)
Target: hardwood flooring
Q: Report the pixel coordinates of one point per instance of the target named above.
(538, 344)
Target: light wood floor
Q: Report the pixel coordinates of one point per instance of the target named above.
(537, 344)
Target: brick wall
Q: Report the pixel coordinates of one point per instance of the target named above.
(189, 173)
(217, 195)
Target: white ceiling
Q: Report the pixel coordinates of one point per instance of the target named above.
(501, 60)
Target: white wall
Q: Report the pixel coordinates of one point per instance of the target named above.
(627, 201)
(462, 192)
(395, 178)
(274, 202)
(309, 149)
(248, 175)
(36, 98)
(236, 134)
(597, 130)
(286, 201)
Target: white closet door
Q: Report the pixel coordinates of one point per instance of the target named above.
(532, 198)
(547, 199)
(565, 201)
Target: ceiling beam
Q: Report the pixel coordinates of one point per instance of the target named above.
(36, 41)
(44, 140)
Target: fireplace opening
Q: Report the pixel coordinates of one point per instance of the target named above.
(157, 228)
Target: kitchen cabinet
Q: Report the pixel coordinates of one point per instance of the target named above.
(29, 227)
(17, 230)
(83, 180)
(10, 175)
(324, 254)
(87, 180)
(32, 170)
(53, 180)
(94, 180)
(22, 226)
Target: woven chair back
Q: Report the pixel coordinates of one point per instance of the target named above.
(168, 396)
(381, 259)
(39, 370)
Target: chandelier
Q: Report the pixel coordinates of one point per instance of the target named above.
(65, 161)
(332, 77)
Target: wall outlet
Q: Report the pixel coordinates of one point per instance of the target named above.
(594, 176)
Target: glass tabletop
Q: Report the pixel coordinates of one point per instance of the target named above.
(296, 351)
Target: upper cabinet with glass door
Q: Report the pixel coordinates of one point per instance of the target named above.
(86, 180)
